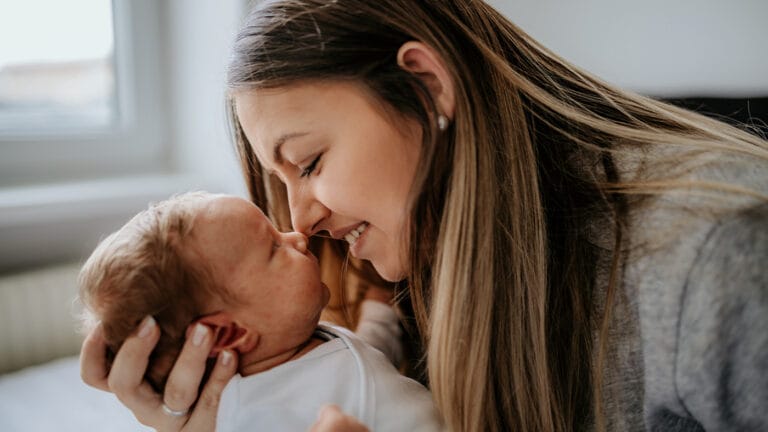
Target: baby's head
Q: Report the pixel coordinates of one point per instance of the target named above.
(213, 259)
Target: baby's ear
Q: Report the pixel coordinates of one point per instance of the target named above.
(228, 334)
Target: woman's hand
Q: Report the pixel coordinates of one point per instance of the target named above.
(331, 419)
(163, 412)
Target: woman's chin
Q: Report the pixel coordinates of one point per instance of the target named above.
(389, 272)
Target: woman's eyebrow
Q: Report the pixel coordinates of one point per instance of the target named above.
(277, 154)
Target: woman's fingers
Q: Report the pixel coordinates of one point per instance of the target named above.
(331, 419)
(93, 360)
(126, 377)
(207, 407)
(187, 373)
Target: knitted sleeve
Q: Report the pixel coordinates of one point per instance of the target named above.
(722, 355)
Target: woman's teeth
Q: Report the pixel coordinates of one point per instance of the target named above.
(353, 235)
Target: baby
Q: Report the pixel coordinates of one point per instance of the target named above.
(218, 261)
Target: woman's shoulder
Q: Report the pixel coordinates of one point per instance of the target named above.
(703, 311)
(685, 238)
(722, 337)
(734, 253)
(715, 187)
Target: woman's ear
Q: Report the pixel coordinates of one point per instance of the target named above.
(228, 334)
(423, 61)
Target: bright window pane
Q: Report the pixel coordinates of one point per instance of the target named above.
(56, 65)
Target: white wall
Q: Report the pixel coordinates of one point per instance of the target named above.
(657, 47)
(200, 33)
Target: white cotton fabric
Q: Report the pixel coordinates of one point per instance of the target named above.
(344, 371)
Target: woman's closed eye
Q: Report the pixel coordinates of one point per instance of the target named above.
(311, 167)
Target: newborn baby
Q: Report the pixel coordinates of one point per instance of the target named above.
(217, 261)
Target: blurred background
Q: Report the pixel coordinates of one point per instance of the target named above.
(108, 105)
(105, 106)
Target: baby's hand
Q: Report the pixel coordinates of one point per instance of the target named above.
(331, 419)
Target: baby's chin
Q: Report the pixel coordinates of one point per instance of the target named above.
(326, 294)
(326, 297)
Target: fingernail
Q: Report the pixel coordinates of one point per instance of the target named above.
(226, 357)
(146, 326)
(199, 334)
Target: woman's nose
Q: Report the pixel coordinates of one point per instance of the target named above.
(307, 213)
(297, 240)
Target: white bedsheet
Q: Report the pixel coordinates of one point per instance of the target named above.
(51, 397)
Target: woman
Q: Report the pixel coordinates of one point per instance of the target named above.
(577, 257)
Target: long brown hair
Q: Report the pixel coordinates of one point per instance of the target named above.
(501, 270)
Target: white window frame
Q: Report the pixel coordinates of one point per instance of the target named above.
(135, 142)
(60, 188)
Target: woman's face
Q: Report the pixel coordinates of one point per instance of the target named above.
(347, 164)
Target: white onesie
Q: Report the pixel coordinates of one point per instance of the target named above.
(344, 371)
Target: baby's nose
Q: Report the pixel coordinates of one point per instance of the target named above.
(297, 240)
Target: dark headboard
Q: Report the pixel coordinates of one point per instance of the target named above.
(751, 111)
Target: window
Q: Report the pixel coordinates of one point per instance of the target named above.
(83, 124)
(59, 74)
(80, 93)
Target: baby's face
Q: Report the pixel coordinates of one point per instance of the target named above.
(275, 277)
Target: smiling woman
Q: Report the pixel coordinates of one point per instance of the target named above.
(346, 167)
(569, 248)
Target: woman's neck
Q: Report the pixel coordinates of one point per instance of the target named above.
(258, 365)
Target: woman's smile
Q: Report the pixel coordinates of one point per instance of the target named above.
(355, 239)
(347, 167)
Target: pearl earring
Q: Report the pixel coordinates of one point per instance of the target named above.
(442, 122)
